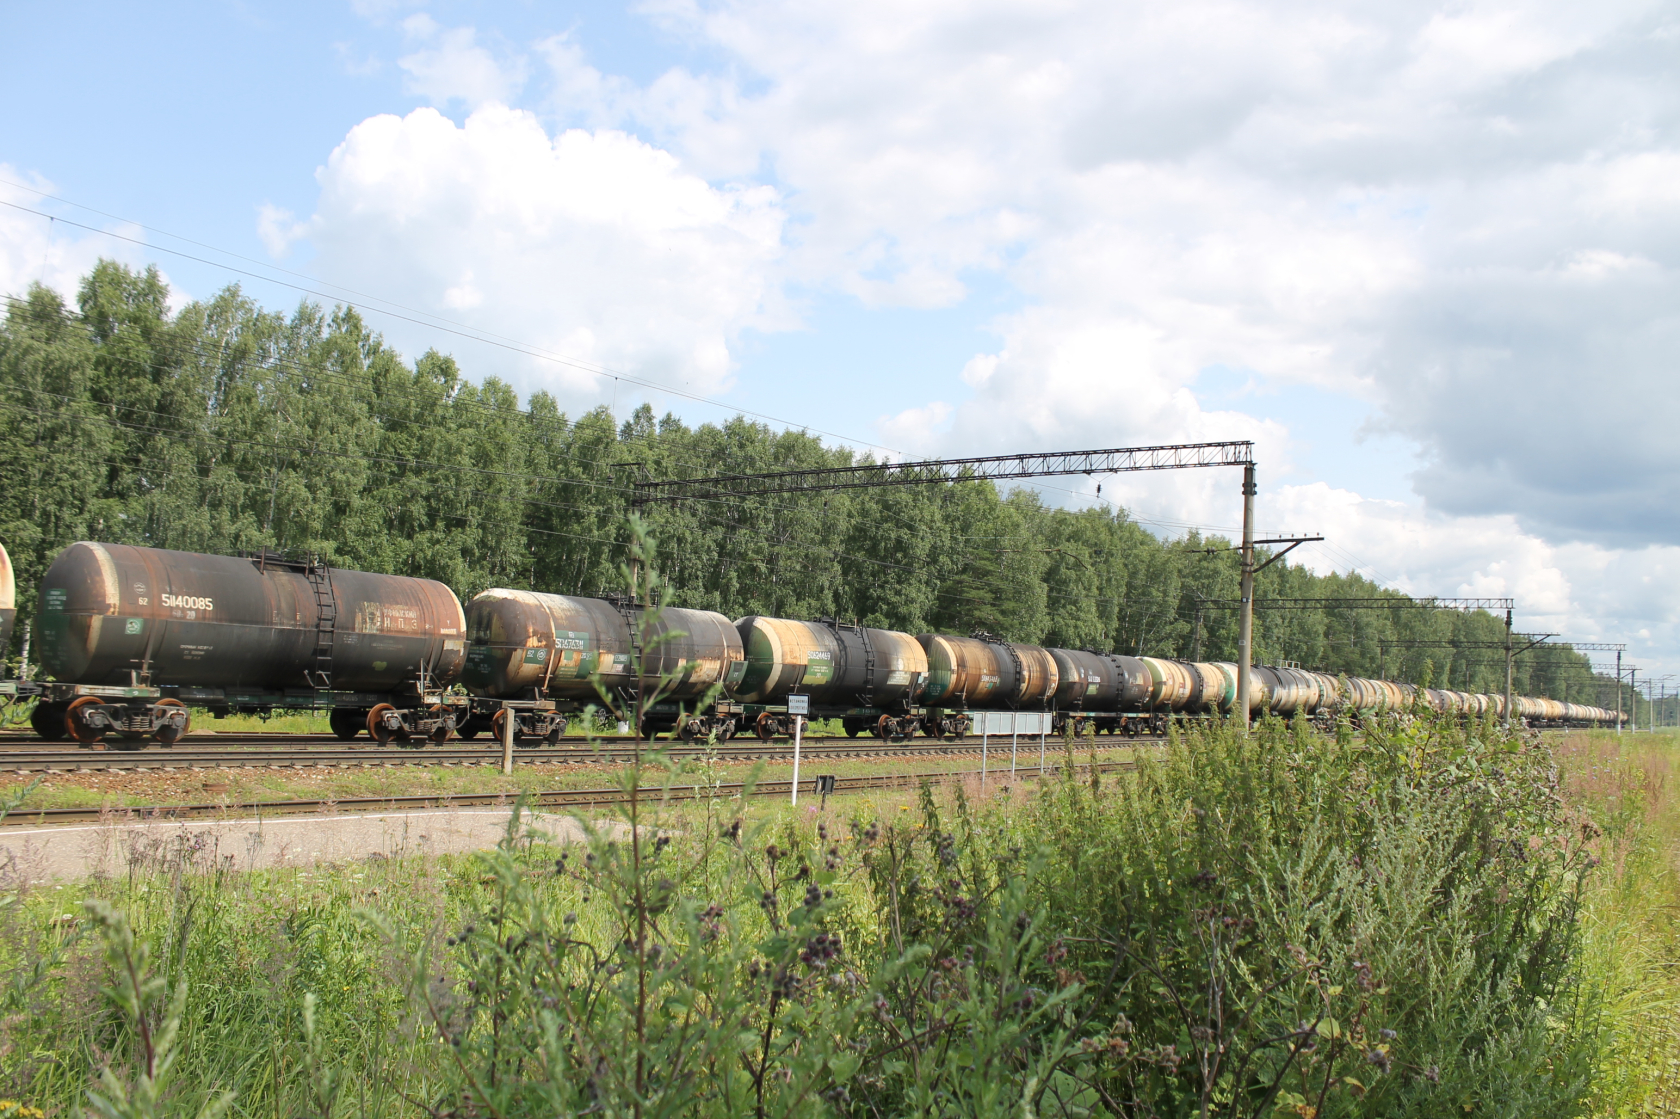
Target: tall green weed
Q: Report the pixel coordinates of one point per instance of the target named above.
(1290, 924)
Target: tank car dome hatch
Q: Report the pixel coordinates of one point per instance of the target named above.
(110, 611)
(529, 642)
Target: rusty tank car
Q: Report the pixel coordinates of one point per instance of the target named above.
(982, 672)
(132, 635)
(546, 656)
(867, 678)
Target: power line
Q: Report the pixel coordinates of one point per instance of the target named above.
(523, 348)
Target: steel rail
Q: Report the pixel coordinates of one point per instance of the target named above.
(30, 742)
(64, 761)
(552, 798)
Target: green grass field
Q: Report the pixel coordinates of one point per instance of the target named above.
(1418, 923)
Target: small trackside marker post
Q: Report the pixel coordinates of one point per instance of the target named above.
(798, 706)
(508, 716)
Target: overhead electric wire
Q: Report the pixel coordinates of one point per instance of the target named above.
(472, 334)
(523, 527)
(265, 361)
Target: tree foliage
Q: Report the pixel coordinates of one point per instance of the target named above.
(224, 427)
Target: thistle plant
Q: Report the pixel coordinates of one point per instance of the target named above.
(142, 999)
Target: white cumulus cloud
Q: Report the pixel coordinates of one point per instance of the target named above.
(1463, 217)
(592, 245)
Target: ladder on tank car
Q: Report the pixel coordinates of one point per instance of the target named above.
(326, 624)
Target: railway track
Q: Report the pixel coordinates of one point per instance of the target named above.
(301, 751)
(554, 798)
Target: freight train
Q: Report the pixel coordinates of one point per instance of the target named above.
(131, 639)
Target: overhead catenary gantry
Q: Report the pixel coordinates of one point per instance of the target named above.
(1608, 647)
(997, 468)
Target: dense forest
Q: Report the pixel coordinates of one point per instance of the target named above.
(224, 427)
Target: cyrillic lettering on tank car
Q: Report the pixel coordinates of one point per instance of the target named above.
(387, 617)
(819, 668)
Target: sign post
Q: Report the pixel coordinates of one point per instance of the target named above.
(508, 716)
(798, 707)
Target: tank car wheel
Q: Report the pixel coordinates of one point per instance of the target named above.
(470, 729)
(376, 724)
(885, 728)
(81, 732)
(346, 723)
(963, 727)
(444, 733)
(727, 731)
(169, 735)
(852, 730)
(47, 720)
(688, 733)
(766, 726)
(498, 721)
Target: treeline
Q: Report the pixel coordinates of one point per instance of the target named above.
(224, 427)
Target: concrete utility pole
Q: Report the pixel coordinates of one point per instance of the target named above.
(1618, 691)
(1510, 659)
(1245, 623)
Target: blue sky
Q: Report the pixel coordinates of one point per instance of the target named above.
(1424, 255)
